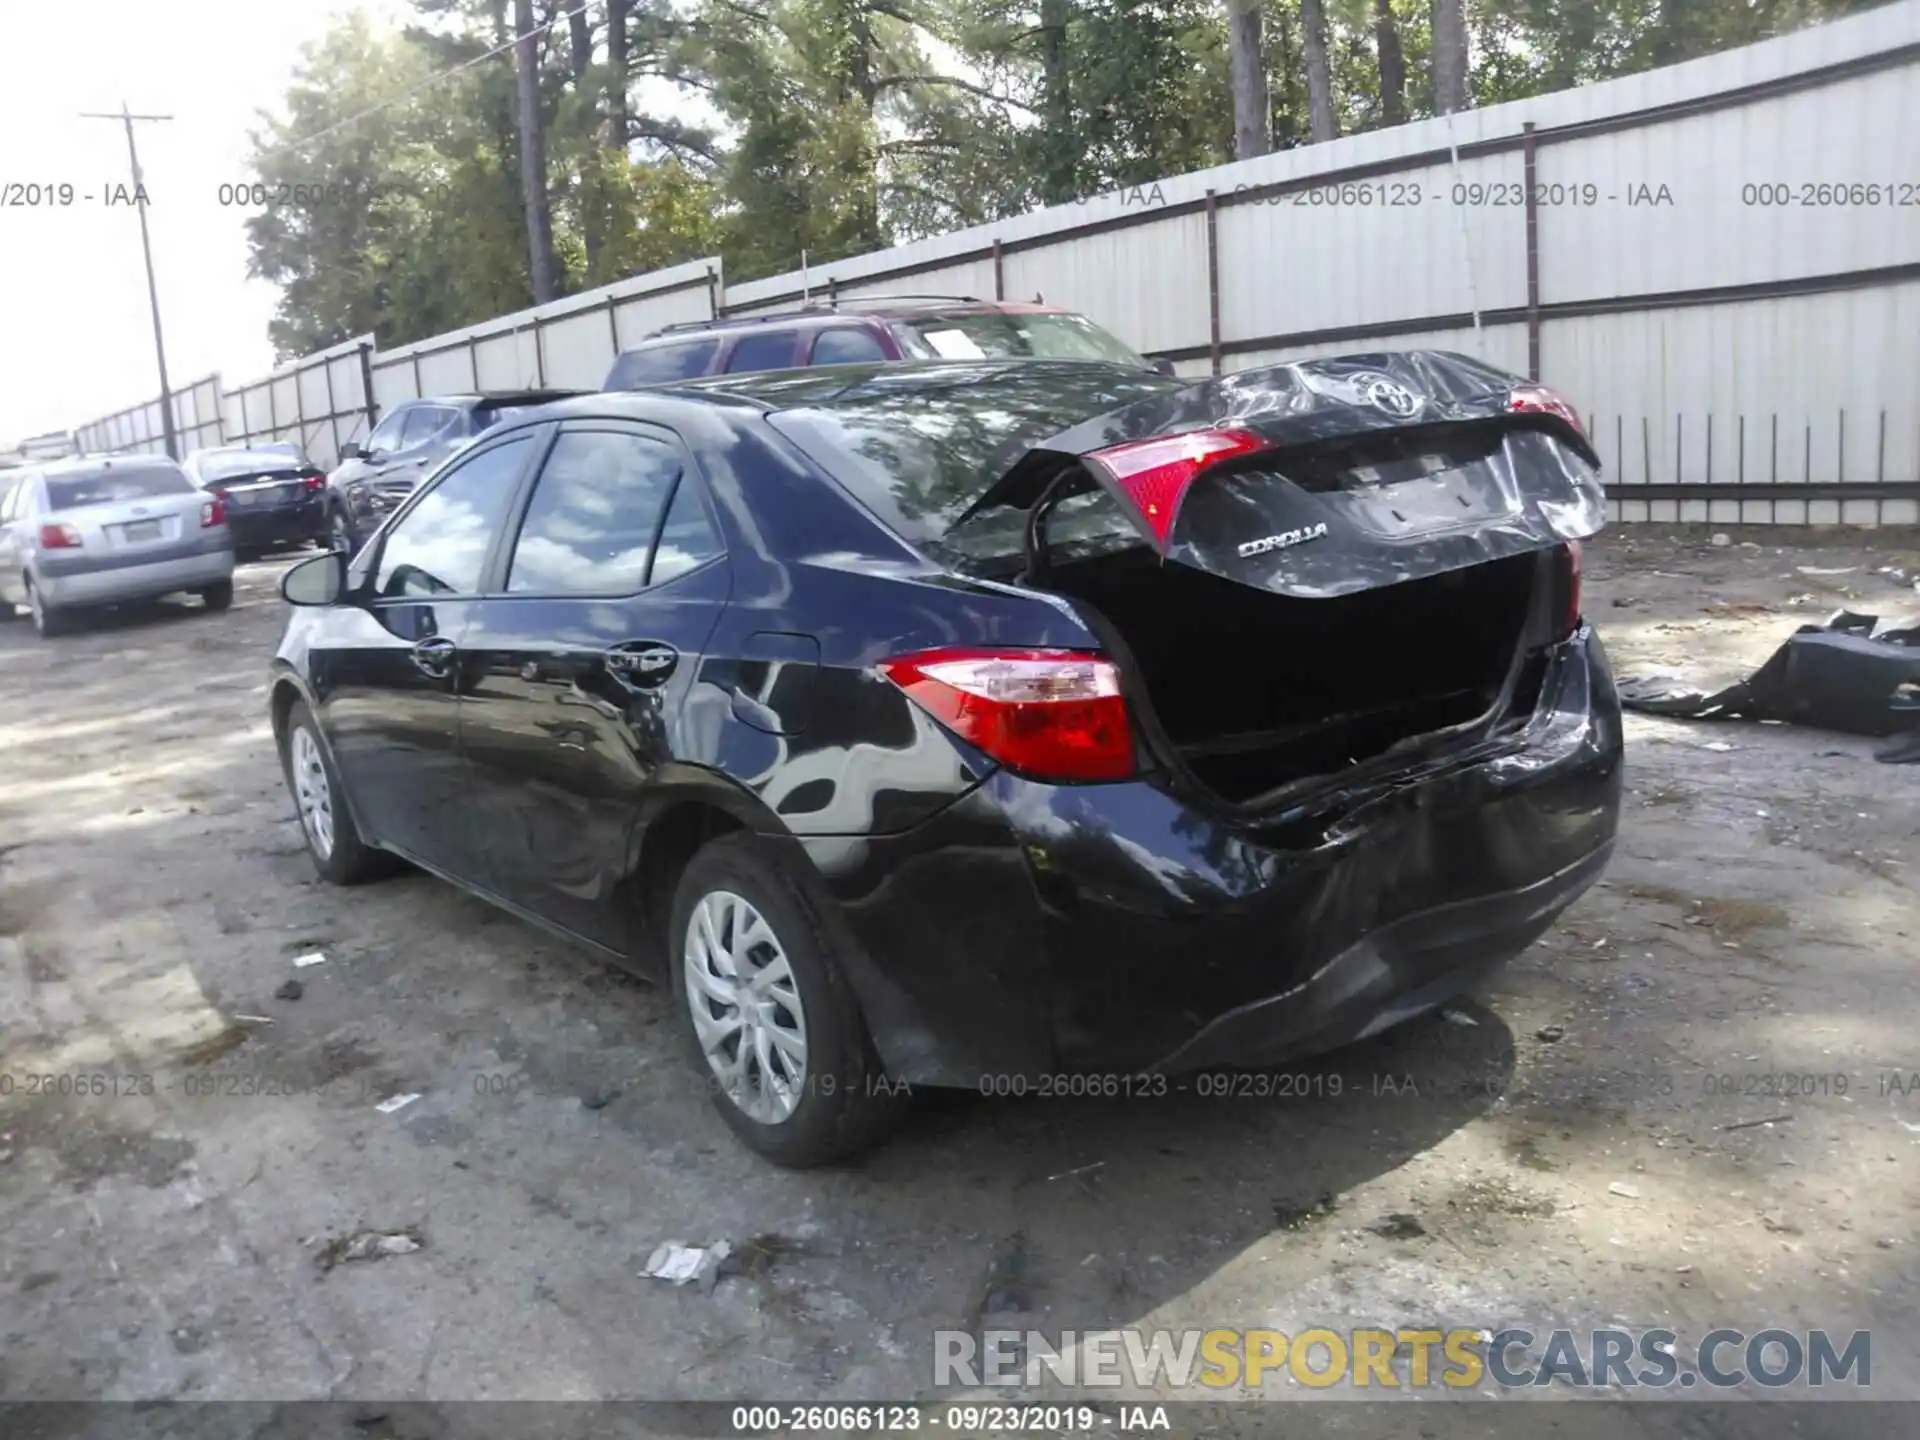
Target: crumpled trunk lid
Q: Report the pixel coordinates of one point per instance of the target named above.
(1349, 473)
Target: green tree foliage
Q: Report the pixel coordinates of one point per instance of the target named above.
(764, 128)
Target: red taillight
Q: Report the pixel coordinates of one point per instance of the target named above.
(314, 483)
(1057, 714)
(59, 537)
(213, 512)
(1569, 616)
(1156, 473)
(1544, 400)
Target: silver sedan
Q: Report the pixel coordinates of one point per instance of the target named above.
(106, 530)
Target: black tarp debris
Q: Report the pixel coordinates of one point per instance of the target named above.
(1856, 673)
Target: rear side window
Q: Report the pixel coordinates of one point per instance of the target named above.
(108, 487)
(687, 539)
(595, 508)
(846, 346)
(440, 546)
(758, 351)
(662, 364)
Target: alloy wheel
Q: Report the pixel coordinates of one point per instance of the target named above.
(746, 1007)
(312, 793)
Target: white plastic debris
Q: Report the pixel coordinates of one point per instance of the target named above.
(1817, 570)
(678, 1264)
(396, 1102)
(1457, 1017)
(1623, 1190)
(312, 957)
(369, 1245)
(1721, 539)
(1719, 746)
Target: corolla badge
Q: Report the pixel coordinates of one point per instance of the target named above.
(1389, 395)
(1285, 540)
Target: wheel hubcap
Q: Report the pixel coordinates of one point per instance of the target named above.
(746, 1007)
(312, 793)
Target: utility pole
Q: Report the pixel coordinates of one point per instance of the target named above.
(127, 118)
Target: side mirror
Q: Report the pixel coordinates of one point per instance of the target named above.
(352, 450)
(319, 581)
(1163, 366)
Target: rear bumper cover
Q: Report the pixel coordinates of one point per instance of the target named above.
(65, 582)
(306, 520)
(1033, 929)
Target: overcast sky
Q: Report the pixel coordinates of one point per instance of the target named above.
(76, 340)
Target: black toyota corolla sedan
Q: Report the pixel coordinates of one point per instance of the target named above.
(966, 723)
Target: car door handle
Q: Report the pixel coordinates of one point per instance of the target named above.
(434, 656)
(641, 662)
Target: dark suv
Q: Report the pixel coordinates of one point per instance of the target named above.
(408, 443)
(905, 327)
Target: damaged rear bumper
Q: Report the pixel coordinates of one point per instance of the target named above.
(1036, 929)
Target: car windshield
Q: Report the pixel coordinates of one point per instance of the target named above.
(108, 487)
(225, 464)
(996, 335)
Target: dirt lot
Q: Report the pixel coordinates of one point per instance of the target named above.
(1581, 1146)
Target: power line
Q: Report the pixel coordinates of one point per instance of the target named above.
(428, 83)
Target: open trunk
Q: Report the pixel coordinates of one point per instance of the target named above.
(1256, 690)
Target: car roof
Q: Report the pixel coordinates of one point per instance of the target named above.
(489, 397)
(770, 391)
(877, 311)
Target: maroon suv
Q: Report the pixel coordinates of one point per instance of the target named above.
(901, 327)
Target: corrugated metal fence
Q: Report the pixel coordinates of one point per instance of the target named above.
(1719, 261)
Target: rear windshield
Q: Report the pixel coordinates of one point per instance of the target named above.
(227, 464)
(999, 336)
(489, 415)
(105, 487)
(660, 364)
(918, 456)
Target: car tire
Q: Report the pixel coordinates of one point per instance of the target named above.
(837, 1099)
(333, 841)
(216, 597)
(47, 620)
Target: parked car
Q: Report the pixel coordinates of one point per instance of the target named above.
(104, 530)
(274, 494)
(863, 333)
(975, 723)
(404, 447)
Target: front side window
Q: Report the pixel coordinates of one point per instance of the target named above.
(386, 435)
(423, 424)
(595, 508)
(439, 547)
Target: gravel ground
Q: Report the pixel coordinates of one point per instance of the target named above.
(1602, 1138)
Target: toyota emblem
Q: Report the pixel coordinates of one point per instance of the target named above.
(1395, 399)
